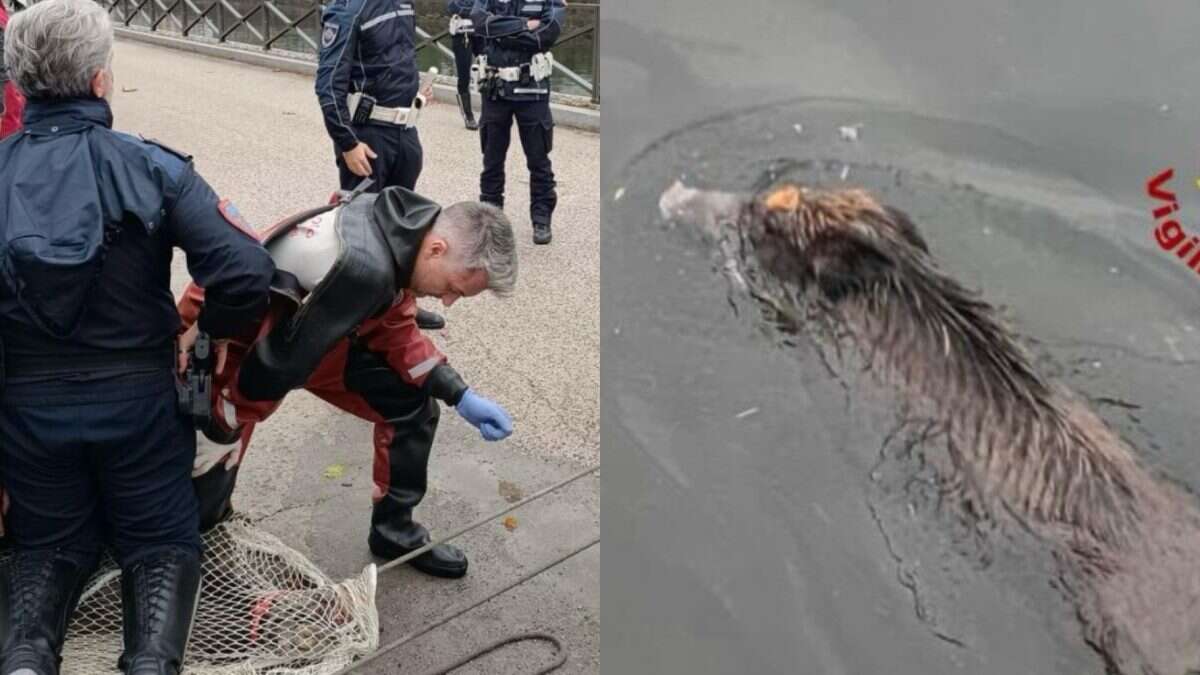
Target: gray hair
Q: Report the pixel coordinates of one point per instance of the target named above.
(487, 242)
(55, 48)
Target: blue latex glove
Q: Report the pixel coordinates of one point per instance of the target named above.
(485, 415)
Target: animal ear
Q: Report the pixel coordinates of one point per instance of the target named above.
(907, 229)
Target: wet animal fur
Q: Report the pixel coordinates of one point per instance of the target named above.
(1020, 438)
(842, 260)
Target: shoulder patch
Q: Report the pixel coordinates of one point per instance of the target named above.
(233, 216)
(329, 34)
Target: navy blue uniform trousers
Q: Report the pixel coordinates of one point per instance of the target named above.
(535, 124)
(102, 461)
(399, 157)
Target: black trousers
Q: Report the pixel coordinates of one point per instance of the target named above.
(535, 125)
(464, 54)
(399, 160)
(89, 463)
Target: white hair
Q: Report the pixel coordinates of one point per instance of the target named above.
(54, 48)
(485, 237)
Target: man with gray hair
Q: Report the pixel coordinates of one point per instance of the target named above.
(94, 449)
(343, 326)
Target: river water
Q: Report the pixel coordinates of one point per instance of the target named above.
(758, 517)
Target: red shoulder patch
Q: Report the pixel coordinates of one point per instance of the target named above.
(234, 218)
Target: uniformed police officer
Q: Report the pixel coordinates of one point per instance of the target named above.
(94, 448)
(369, 90)
(466, 46)
(515, 83)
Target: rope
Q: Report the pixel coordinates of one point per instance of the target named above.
(377, 654)
(546, 637)
(560, 650)
(484, 521)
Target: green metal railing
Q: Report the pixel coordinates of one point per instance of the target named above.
(291, 27)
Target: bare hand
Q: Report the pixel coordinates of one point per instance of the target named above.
(358, 159)
(220, 349)
(427, 91)
(533, 24)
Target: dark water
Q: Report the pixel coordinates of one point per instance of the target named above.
(575, 54)
(758, 518)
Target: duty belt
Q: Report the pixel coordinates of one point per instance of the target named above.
(461, 26)
(403, 117)
(539, 67)
(39, 365)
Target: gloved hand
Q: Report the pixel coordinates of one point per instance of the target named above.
(485, 415)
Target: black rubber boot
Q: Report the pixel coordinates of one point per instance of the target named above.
(541, 233)
(41, 591)
(427, 320)
(399, 536)
(464, 105)
(158, 602)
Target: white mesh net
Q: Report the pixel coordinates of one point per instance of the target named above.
(264, 610)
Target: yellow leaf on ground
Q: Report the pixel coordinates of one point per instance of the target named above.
(334, 471)
(510, 523)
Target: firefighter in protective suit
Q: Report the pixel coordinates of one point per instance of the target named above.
(343, 326)
(514, 83)
(94, 449)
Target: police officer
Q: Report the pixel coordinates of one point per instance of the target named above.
(369, 90)
(94, 449)
(466, 45)
(515, 83)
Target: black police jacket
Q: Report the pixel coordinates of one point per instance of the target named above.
(367, 46)
(508, 42)
(89, 218)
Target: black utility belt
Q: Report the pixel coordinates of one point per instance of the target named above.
(30, 365)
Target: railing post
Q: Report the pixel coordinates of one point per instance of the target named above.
(596, 55)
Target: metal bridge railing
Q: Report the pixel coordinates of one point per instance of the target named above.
(264, 25)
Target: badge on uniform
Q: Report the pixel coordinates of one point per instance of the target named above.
(329, 34)
(234, 218)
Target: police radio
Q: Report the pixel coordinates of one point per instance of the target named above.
(195, 388)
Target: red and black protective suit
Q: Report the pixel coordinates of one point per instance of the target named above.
(13, 103)
(383, 369)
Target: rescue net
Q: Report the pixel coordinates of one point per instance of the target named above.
(264, 609)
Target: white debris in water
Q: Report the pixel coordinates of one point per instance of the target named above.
(617, 330)
(1164, 108)
(747, 413)
(845, 171)
(1188, 328)
(1114, 270)
(798, 127)
(849, 133)
(987, 231)
(618, 194)
(1096, 364)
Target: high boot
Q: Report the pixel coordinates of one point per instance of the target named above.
(41, 590)
(464, 105)
(394, 534)
(158, 602)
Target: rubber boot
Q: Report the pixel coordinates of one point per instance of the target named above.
(158, 603)
(427, 320)
(41, 590)
(393, 534)
(464, 105)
